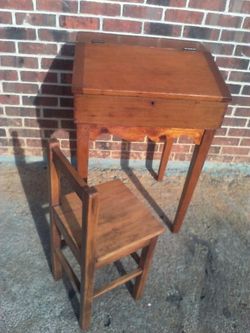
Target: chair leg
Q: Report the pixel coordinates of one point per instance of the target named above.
(86, 297)
(55, 241)
(145, 261)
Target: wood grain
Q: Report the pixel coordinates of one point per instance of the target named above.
(147, 112)
(139, 133)
(150, 71)
(100, 225)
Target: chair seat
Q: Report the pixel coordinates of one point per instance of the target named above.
(124, 222)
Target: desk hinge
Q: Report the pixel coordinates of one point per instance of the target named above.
(189, 49)
(97, 41)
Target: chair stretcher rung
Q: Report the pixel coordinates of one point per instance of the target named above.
(68, 269)
(136, 257)
(121, 280)
(68, 240)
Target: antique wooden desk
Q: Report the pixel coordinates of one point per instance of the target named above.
(135, 87)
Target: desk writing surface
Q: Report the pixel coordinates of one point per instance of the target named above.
(132, 70)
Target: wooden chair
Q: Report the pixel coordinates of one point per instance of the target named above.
(100, 225)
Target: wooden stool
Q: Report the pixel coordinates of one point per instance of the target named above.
(100, 225)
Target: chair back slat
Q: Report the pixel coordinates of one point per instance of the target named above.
(58, 163)
(62, 164)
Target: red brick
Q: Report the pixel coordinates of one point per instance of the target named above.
(234, 122)
(68, 124)
(177, 148)
(245, 142)
(99, 153)
(185, 139)
(67, 50)
(242, 112)
(12, 142)
(223, 141)
(213, 149)
(76, 22)
(103, 145)
(208, 4)
(170, 3)
(7, 46)
(40, 123)
(201, 33)
(23, 62)
(221, 131)
(17, 33)
(36, 143)
(58, 113)
(36, 19)
(183, 16)
(38, 76)
(37, 48)
(66, 102)
(5, 18)
(22, 111)
(243, 51)
(2, 132)
(26, 133)
(217, 48)
(223, 20)
(241, 159)
(240, 76)
(235, 150)
(246, 90)
(135, 146)
(50, 89)
(122, 25)
(57, 5)
(232, 62)
(68, 144)
(98, 8)
(57, 64)
(229, 111)
(9, 99)
(235, 35)
(224, 73)
(246, 24)
(218, 158)
(142, 12)
(59, 134)
(20, 4)
(162, 29)
(16, 87)
(15, 122)
(239, 6)
(182, 157)
(57, 35)
(66, 78)
(39, 101)
(241, 100)
(239, 132)
(127, 155)
(8, 75)
(234, 88)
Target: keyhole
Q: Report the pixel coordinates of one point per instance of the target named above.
(152, 103)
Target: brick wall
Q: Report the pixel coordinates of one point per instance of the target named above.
(37, 47)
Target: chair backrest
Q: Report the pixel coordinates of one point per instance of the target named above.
(59, 165)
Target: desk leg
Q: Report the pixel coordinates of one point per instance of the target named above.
(197, 161)
(82, 150)
(164, 158)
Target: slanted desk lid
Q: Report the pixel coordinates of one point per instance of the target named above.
(132, 70)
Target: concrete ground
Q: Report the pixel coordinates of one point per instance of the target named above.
(199, 281)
